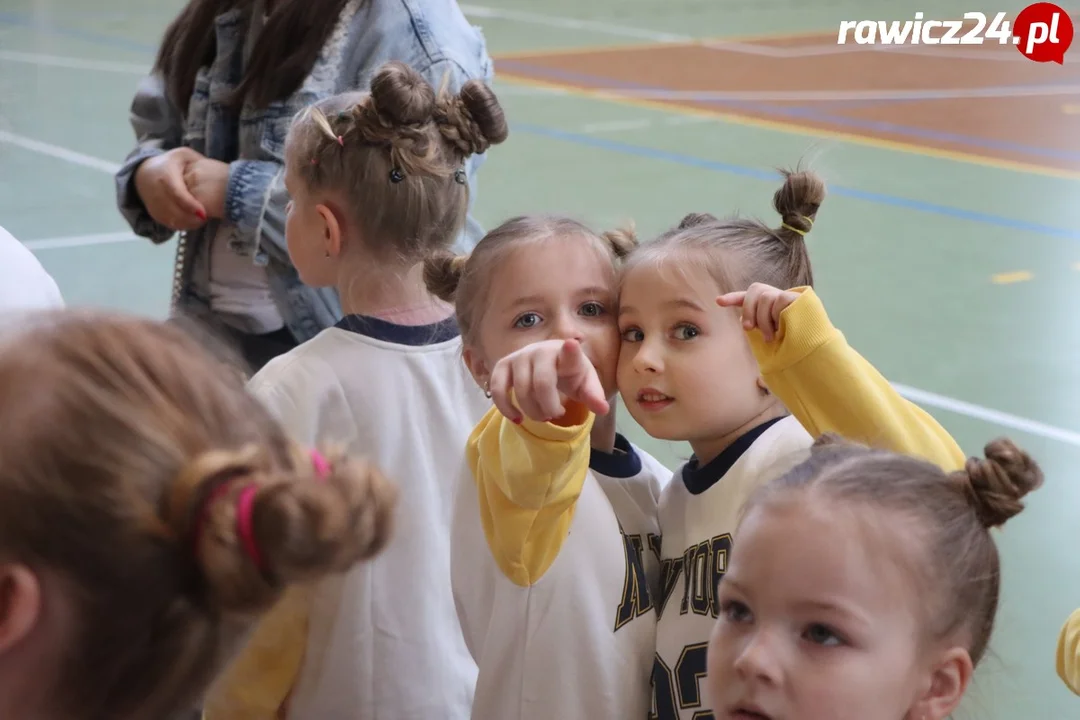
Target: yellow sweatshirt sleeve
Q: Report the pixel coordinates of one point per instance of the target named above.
(1068, 653)
(528, 479)
(829, 387)
(256, 684)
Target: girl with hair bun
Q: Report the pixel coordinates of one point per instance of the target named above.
(150, 511)
(210, 123)
(554, 535)
(378, 184)
(864, 585)
(747, 394)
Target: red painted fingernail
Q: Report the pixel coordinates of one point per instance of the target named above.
(200, 214)
(517, 421)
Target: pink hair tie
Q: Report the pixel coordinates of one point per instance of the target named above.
(245, 530)
(321, 464)
(341, 141)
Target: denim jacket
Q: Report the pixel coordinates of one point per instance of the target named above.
(432, 36)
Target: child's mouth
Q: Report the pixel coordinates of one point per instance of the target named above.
(653, 400)
(747, 714)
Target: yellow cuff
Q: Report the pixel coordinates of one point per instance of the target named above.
(804, 327)
(569, 426)
(1068, 653)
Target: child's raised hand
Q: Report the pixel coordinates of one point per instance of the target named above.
(539, 373)
(761, 307)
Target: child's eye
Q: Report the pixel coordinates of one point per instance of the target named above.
(527, 320)
(822, 635)
(686, 332)
(735, 611)
(592, 309)
(632, 335)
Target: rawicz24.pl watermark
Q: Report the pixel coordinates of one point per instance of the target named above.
(1041, 32)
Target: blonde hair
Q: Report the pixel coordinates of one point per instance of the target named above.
(126, 452)
(464, 279)
(738, 252)
(396, 156)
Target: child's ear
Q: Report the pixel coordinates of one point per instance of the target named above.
(331, 230)
(477, 367)
(949, 680)
(20, 604)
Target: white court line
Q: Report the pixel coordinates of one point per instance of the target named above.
(996, 417)
(73, 63)
(507, 87)
(938, 51)
(597, 26)
(75, 158)
(640, 124)
(80, 241)
(914, 394)
(748, 48)
(804, 51)
(616, 126)
(1010, 91)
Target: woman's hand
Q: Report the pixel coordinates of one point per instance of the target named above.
(761, 307)
(161, 187)
(208, 181)
(540, 375)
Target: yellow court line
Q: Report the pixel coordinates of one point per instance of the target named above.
(796, 129)
(1011, 277)
(646, 46)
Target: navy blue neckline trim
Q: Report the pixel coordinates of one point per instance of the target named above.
(414, 335)
(624, 464)
(698, 479)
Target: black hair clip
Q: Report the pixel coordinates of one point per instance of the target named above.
(459, 176)
(396, 176)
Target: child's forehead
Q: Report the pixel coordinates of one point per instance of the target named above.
(664, 277)
(567, 256)
(849, 552)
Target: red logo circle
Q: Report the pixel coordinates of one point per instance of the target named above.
(1043, 32)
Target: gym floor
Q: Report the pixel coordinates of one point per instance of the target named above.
(948, 250)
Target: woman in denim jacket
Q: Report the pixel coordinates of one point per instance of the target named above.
(211, 120)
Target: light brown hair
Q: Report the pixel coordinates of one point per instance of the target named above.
(464, 279)
(125, 448)
(396, 157)
(958, 571)
(282, 57)
(738, 252)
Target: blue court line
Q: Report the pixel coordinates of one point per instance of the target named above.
(771, 176)
(599, 82)
(25, 21)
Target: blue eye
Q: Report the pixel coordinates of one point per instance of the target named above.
(633, 335)
(822, 635)
(527, 320)
(736, 612)
(686, 332)
(592, 309)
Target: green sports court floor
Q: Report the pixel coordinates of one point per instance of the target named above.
(948, 251)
